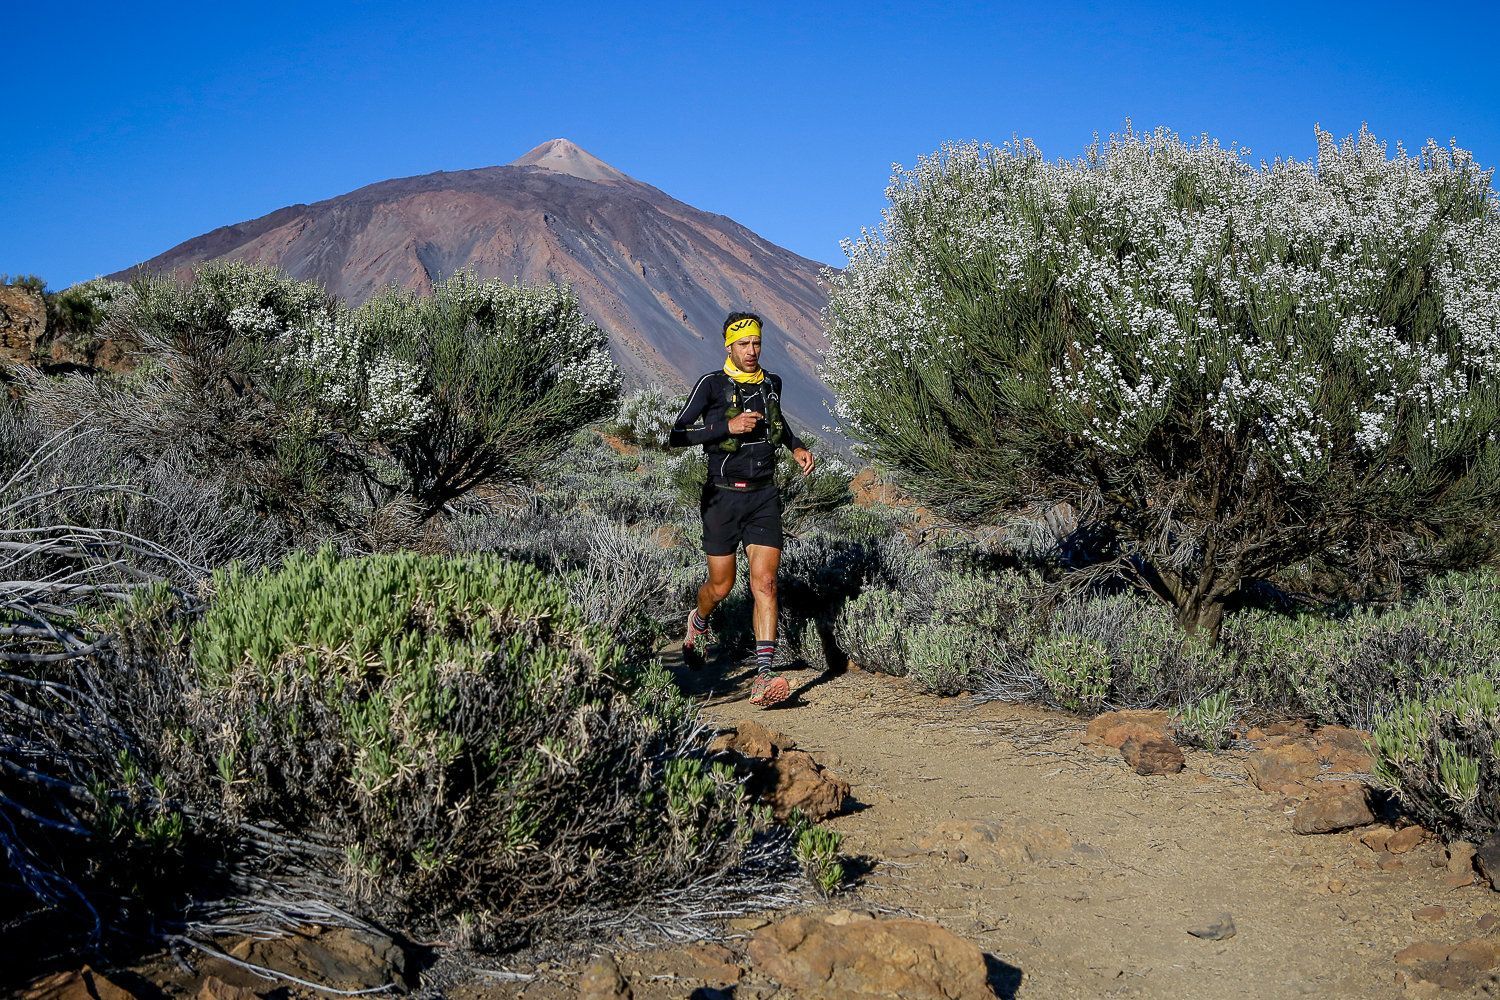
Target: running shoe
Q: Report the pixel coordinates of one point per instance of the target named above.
(769, 689)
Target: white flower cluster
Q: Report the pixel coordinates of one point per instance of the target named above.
(549, 318)
(254, 320)
(1191, 279)
(351, 374)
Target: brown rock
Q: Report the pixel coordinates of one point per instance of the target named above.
(1343, 750)
(342, 958)
(1388, 862)
(1376, 837)
(214, 988)
(710, 963)
(1012, 842)
(1331, 807)
(601, 980)
(1285, 769)
(1458, 880)
(1422, 951)
(1460, 857)
(1487, 922)
(1289, 728)
(1112, 729)
(1342, 737)
(898, 958)
(1429, 914)
(753, 740)
(79, 984)
(1152, 755)
(868, 490)
(23, 326)
(794, 780)
(1405, 839)
(1480, 952)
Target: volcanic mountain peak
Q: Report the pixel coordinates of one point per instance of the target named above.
(563, 157)
(657, 275)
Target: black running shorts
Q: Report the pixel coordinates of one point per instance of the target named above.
(734, 516)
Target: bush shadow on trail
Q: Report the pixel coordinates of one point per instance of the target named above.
(1003, 978)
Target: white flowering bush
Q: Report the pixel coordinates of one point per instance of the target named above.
(326, 415)
(217, 384)
(509, 372)
(1236, 373)
(645, 417)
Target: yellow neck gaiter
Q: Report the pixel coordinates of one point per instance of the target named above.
(739, 376)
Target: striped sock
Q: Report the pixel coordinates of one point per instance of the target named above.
(700, 624)
(765, 655)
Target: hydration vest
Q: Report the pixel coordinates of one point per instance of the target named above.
(775, 426)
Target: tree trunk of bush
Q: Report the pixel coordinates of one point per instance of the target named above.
(1203, 618)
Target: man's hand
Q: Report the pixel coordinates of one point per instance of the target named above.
(805, 459)
(744, 423)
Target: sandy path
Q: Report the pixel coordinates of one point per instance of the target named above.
(1153, 856)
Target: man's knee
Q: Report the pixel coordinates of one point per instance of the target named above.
(719, 585)
(763, 586)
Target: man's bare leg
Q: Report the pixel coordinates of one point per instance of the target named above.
(769, 687)
(717, 587)
(764, 562)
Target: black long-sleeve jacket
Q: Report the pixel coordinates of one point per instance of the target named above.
(755, 460)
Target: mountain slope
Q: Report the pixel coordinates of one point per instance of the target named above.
(656, 274)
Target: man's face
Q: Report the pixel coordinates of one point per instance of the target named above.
(746, 353)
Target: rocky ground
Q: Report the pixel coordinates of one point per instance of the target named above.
(1010, 851)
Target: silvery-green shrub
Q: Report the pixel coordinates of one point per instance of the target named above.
(1352, 667)
(1206, 722)
(458, 734)
(1077, 670)
(871, 629)
(645, 417)
(1440, 754)
(507, 373)
(1236, 373)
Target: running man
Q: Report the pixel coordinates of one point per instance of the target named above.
(743, 426)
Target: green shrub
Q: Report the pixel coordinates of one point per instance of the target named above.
(1350, 667)
(249, 377)
(943, 658)
(325, 415)
(1075, 669)
(817, 851)
(1441, 757)
(459, 735)
(76, 313)
(1206, 723)
(871, 628)
(30, 282)
(1284, 373)
(507, 372)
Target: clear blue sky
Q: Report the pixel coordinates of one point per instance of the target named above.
(131, 127)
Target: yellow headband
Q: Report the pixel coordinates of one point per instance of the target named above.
(740, 329)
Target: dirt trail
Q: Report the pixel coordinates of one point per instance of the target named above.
(1150, 856)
